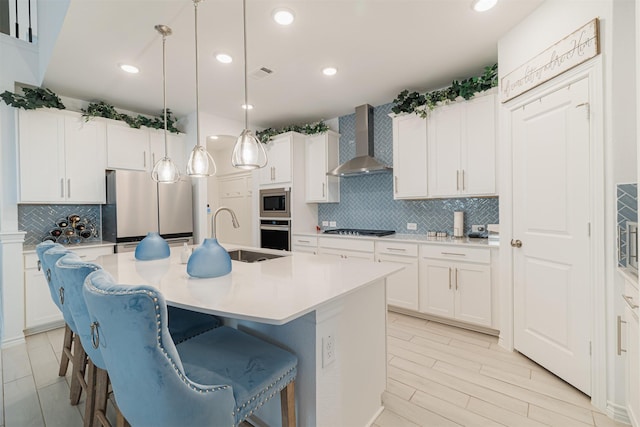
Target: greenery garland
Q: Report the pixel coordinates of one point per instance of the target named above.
(414, 102)
(309, 129)
(32, 99)
(107, 111)
(46, 98)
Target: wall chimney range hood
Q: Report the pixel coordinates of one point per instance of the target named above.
(363, 163)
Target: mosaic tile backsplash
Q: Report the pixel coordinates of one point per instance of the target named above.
(39, 220)
(627, 195)
(367, 201)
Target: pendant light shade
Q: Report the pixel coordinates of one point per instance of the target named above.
(248, 153)
(165, 171)
(200, 162)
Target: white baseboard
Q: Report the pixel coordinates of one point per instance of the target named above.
(617, 413)
(13, 342)
(375, 417)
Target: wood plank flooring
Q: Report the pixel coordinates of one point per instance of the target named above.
(438, 375)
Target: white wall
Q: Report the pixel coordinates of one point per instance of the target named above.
(19, 63)
(551, 22)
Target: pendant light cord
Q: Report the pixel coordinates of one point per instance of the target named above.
(244, 40)
(164, 92)
(195, 5)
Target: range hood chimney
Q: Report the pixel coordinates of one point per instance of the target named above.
(363, 163)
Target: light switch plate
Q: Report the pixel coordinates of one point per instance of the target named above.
(325, 223)
(412, 226)
(332, 224)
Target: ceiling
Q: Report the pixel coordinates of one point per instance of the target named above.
(380, 48)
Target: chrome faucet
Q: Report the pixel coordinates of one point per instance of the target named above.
(234, 220)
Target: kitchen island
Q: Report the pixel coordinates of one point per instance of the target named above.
(330, 312)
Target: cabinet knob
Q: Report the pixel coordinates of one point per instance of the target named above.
(516, 243)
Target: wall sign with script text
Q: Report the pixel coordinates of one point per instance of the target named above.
(576, 48)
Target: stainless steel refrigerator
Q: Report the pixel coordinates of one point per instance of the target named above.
(137, 205)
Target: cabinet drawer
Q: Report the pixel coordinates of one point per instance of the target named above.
(310, 241)
(87, 254)
(393, 248)
(349, 244)
(456, 253)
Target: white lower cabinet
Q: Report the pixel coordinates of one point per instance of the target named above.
(346, 248)
(402, 287)
(632, 376)
(304, 243)
(455, 282)
(41, 312)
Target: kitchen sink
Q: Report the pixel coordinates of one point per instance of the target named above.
(243, 255)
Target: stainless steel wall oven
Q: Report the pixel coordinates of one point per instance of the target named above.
(275, 234)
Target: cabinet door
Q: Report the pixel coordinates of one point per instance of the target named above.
(633, 367)
(402, 287)
(444, 126)
(232, 187)
(39, 308)
(41, 149)
(472, 284)
(175, 147)
(127, 148)
(436, 288)
(278, 169)
(478, 161)
(409, 157)
(85, 165)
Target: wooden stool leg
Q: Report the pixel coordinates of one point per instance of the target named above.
(66, 350)
(102, 394)
(89, 408)
(77, 374)
(288, 405)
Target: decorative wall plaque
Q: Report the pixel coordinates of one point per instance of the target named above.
(578, 47)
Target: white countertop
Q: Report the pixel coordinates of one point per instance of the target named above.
(274, 291)
(92, 244)
(412, 238)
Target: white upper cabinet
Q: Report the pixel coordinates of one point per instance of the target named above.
(70, 150)
(127, 147)
(462, 148)
(278, 169)
(321, 156)
(175, 147)
(409, 157)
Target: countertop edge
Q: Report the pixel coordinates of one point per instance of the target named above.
(30, 249)
(412, 238)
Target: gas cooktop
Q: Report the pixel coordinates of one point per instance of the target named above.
(359, 232)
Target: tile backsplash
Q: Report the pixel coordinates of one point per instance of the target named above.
(367, 201)
(39, 220)
(627, 196)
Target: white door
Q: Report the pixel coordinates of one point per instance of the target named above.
(552, 312)
(445, 139)
(409, 157)
(316, 168)
(85, 164)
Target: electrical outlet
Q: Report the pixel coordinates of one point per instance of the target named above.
(328, 350)
(412, 226)
(325, 223)
(477, 228)
(332, 224)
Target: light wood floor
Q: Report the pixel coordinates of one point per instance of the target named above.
(437, 376)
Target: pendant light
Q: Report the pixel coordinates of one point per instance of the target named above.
(248, 152)
(200, 162)
(165, 171)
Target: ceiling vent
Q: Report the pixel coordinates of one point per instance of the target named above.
(260, 73)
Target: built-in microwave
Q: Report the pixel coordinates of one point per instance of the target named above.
(275, 203)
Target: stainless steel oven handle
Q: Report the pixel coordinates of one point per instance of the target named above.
(275, 227)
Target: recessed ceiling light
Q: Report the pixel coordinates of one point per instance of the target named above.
(224, 58)
(483, 5)
(129, 68)
(329, 71)
(247, 107)
(283, 16)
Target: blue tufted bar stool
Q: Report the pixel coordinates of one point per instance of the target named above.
(79, 357)
(67, 342)
(72, 272)
(217, 378)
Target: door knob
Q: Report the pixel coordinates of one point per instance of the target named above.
(516, 243)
